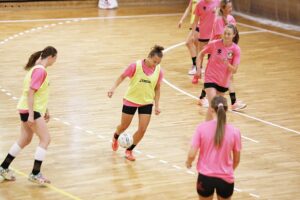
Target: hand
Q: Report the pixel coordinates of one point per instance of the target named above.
(110, 93)
(157, 111)
(179, 24)
(30, 120)
(198, 73)
(188, 165)
(47, 116)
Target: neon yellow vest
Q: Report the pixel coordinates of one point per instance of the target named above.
(194, 3)
(141, 88)
(40, 96)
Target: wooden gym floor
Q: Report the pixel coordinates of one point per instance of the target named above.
(92, 53)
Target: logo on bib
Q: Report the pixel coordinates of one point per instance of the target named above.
(144, 81)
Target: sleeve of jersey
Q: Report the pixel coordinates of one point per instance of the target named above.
(37, 78)
(196, 138)
(237, 141)
(130, 70)
(237, 56)
(161, 76)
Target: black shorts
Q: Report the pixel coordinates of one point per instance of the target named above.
(203, 40)
(24, 116)
(197, 29)
(146, 109)
(206, 186)
(217, 87)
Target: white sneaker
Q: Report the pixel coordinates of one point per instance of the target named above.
(238, 105)
(203, 102)
(193, 71)
(7, 174)
(39, 179)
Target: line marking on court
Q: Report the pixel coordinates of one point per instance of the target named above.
(91, 18)
(163, 161)
(150, 156)
(239, 113)
(176, 167)
(52, 187)
(269, 31)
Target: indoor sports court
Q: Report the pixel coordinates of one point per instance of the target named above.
(94, 47)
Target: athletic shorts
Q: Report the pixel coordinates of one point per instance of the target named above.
(203, 40)
(217, 87)
(130, 110)
(197, 29)
(206, 186)
(24, 116)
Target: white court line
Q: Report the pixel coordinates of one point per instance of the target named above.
(91, 18)
(242, 114)
(163, 161)
(251, 32)
(266, 30)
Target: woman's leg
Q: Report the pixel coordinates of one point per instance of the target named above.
(125, 122)
(41, 129)
(211, 93)
(190, 43)
(144, 120)
(235, 105)
(24, 140)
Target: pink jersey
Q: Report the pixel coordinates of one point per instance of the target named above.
(217, 70)
(37, 79)
(219, 26)
(130, 71)
(207, 14)
(213, 161)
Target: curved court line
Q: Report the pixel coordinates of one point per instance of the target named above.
(242, 114)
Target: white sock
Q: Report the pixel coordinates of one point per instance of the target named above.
(15, 149)
(40, 153)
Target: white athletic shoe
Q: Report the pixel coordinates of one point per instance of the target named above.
(39, 179)
(238, 105)
(193, 70)
(203, 102)
(7, 174)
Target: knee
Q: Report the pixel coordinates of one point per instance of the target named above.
(24, 142)
(189, 42)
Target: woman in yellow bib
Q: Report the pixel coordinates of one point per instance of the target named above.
(192, 38)
(144, 90)
(34, 114)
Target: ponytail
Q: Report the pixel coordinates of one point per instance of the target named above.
(156, 51)
(31, 61)
(48, 51)
(219, 104)
(236, 37)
